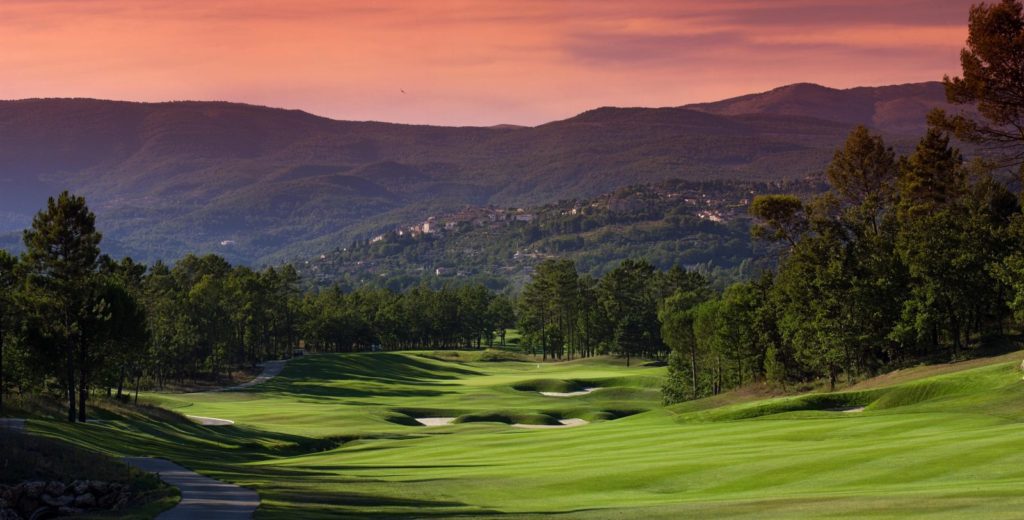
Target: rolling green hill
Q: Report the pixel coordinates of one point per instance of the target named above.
(337, 434)
(258, 184)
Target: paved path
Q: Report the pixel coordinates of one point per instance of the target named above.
(270, 370)
(15, 425)
(210, 421)
(201, 497)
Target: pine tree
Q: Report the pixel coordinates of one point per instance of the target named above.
(62, 248)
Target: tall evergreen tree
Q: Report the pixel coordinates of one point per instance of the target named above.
(62, 248)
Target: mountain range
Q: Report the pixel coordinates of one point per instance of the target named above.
(261, 185)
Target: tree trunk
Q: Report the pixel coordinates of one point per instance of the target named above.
(2, 387)
(693, 368)
(83, 383)
(70, 383)
(120, 382)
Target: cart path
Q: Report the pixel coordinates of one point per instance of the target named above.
(201, 497)
(14, 425)
(270, 370)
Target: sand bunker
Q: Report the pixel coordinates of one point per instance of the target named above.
(585, 391)
(566, 423)
(847, 409)
(210, 421)
(435, 421)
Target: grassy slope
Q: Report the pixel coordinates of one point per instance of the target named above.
(946, 445)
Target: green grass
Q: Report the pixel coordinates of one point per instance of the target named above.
(29, 457)
(336, 434)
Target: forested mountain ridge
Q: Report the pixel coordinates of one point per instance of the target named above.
(703, 226)
(258, 184)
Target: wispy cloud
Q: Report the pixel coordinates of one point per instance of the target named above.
(467, 61)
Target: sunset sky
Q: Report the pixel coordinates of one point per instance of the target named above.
(467, 62)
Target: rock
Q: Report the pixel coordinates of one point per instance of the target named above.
(99, 487)
(60, 501)
(33, 489)
(81, 486)
(108, 500)
(55, 488)
(122, 501)
(85, 501)
(9, 514)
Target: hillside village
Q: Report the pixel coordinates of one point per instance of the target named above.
(705, 224)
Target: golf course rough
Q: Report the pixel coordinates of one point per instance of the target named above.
(338, 434)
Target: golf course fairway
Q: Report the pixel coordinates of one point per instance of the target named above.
(337, 434)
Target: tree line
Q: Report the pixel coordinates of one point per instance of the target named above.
(901, 260)
(74, 321)
(565, 315)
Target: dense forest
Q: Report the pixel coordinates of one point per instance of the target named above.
(75, 321)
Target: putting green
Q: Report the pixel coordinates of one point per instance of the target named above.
(337, 434)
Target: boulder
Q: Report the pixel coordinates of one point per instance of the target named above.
(85, 501)
(7, 513)
(99, 487)
(107, 500)
(33, 489)
(55, 488)
(58, 501)
(81, 487)
(122, 502)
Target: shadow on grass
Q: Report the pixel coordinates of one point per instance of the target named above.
(307, 504)
(387, 368)
(320, 393)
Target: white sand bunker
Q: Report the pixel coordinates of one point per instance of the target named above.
(566, 423)
(210, 421)
(848, 409)
(585, 391)
(435, 421)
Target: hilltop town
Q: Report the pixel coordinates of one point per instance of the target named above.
(703, 224)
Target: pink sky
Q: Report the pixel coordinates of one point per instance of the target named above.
(463, 62)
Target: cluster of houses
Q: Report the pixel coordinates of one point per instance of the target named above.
(472, 216)
(716, 207)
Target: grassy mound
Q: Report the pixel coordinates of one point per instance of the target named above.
(554, 385)
(509, 417)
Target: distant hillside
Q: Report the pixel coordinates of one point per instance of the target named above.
(895, 109)
(259, 184)
(699, 225)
